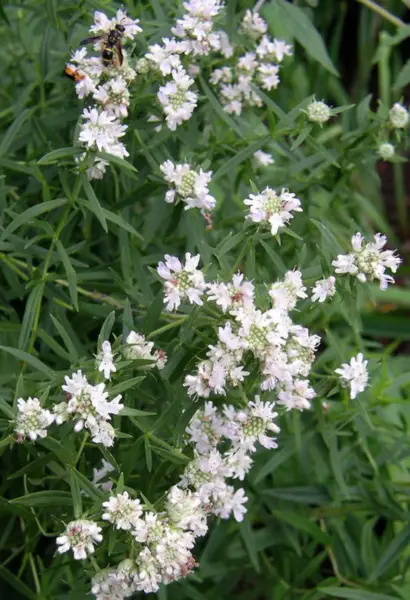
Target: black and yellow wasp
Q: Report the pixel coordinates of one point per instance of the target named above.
(111, 50)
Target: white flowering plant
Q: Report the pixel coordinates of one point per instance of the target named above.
(204, 315)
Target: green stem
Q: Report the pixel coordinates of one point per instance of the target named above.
(80, 451)
(400, 193)
(35, 574)
(167, 327)
(382, 12)
(97, 296)
(94, 564)
(384, 71)
(13, 267)
(241, 255)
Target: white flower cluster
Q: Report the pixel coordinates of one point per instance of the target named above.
(137, 348)
(195, 36)
(386, 150)
(237, 431)
(354, 375)
(196, 28)
(263, 159)
(178, 102)
(163, 541)
(259, 67)
(189, 184)
(102, 129)
(272, 209)
(100, 474)
(80, 536)
(398, 116)
(181, 281)
(32, 419)
(318, 112)
(284, 351)
(368, 261)
(88, 405)
(323, 289)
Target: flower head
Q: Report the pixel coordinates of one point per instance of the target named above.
(105, 360)
(79, 536)
(272, 208)
(32, 419)
(324, 288)
(101, 131)
(354, 375)
(368, 260)
(263, 159)
(137, 347)
(398, 116)
(318, 112)
(190, 184)
(102, 24)
(122, 511)
(386, 151)
(286, 293)
(181, 281)
(177, 100)
(253, 24)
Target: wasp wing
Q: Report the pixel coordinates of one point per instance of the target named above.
(118, 48)
(91, 40)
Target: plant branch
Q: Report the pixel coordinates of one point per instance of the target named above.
(383, 12)
(333, 561)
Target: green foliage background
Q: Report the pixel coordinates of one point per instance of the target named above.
(329, 510)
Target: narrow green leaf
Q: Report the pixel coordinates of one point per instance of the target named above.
(148, 454)
(230, 165)
(31, 213)
(106, 328)
(71, 349)
(403, 78)
(119, 162)
(118, 220)
(56, 448)
(12, 132)
(274, 462)
(248, 537)
(218, 108)
(7, 409)
(45, 498)
(70, 272)
(16, 583)
(275, 258)
(94, 204)
(127, 411)
(33, 306)
(31, 360)
(393, 552)
(355, 594)
(57, 155)
(299, 26)
(126, 385)
(76, 495)
(228, 243)
(303, 523)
